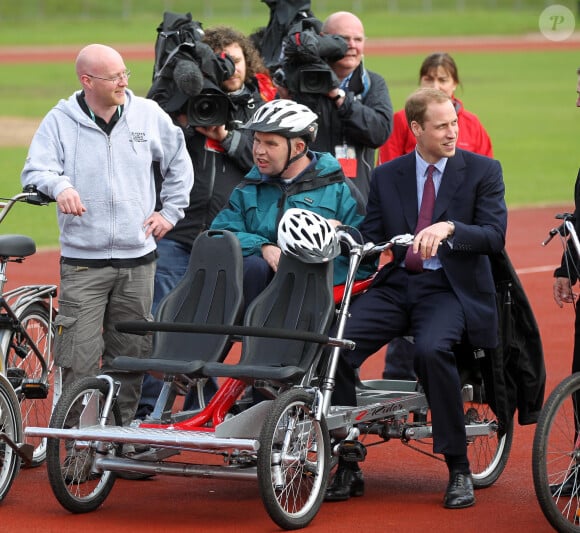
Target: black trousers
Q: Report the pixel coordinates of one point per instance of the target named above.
(422, 305)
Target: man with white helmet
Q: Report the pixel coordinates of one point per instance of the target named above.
(286, 174)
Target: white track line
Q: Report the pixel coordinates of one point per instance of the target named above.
(535, 270)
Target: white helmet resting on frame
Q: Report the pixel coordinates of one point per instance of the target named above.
(307, 236)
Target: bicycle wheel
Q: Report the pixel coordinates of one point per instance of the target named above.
(11, 426)
(22, 363)
(293, 460)
(488, 454)
(75, 484)
(556, 455)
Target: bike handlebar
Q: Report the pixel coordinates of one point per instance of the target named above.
(29, 195)
(35, 197)
(562, 229)
(369, 248)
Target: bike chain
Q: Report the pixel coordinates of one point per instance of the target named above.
(428, 454)
(405, 443)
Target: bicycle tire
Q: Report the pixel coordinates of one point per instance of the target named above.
(293, 461)
(34, 412)
(78, 489)
(555, 453)
(11, 425)
(488, 454)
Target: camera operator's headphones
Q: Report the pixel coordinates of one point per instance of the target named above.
(288, 119)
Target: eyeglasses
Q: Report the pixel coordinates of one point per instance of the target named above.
(116, 79)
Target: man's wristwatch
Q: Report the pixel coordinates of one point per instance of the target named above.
(341, 94)
(452, 227)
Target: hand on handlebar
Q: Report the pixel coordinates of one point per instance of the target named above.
(563, 292)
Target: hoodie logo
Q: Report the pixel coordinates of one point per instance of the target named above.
(308, 200)
(138, 136)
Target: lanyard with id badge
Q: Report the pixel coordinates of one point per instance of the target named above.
(346, 156)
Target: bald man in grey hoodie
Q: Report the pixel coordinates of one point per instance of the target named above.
(94, 153)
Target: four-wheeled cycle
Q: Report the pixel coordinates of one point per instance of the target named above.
(28, 378)
(556, 446)
(289, 439)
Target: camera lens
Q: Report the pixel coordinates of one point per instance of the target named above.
(315, 81)
(208, 110)
(205, 108)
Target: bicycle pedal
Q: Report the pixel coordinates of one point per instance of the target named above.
(34, 390)
(21, 351)
(26, 453)
(352, 451)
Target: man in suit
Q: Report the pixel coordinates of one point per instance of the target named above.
(444, 293)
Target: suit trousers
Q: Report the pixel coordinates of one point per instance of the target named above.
(422, 305)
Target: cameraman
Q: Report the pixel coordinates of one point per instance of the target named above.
(355, 116)
(221, 156)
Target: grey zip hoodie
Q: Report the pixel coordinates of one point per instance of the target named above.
(112, 174)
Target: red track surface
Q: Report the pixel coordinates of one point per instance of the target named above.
(404, 489)
(398, 46)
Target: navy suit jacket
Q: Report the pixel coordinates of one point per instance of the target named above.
(472, 196)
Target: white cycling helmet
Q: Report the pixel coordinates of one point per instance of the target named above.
(286, 118)
(307, 236)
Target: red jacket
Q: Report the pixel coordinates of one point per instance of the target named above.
(472, 135)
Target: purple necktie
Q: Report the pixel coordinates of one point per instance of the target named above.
(413, 261)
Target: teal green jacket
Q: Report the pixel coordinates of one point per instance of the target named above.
(257, 204)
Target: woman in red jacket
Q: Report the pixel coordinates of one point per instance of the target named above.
(439, 71)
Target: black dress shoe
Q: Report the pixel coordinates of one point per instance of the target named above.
(459, 492)
(346, 483)
(571, 485)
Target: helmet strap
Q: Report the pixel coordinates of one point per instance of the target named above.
(295, 158)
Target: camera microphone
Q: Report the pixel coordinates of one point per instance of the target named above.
(188, 77)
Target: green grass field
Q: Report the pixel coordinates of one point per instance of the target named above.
(526, 100)
(70, 21)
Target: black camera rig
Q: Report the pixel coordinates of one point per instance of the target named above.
(188, 74)
(307, 52)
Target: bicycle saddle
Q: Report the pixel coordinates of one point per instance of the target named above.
(16, 246)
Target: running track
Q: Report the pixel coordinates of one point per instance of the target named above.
(398, 46)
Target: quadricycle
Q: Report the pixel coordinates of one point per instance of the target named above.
(288, 441)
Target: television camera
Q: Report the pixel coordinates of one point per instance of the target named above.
(188, 75)
(305, 67)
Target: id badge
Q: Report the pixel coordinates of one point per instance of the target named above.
(346, 156)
